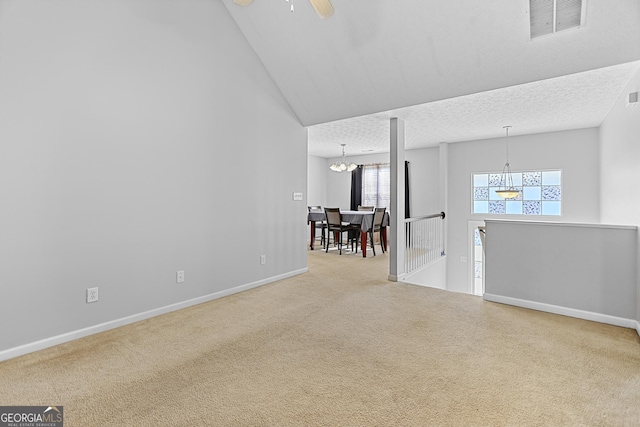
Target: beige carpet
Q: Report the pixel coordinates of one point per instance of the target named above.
(340, 346)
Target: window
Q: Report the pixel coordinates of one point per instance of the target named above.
(376, 185)
(540, 194)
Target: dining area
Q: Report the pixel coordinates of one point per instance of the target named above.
(351, 228)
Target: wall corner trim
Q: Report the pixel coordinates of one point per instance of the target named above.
(80, 333)
(565, 311)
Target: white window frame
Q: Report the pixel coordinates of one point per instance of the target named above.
(382, 184)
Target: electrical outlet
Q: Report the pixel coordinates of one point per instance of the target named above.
(463, 259)
(263, 259)
(180, 276)
(92, 294)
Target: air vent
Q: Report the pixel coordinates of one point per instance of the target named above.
(551, 16)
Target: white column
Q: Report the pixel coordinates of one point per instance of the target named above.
(396, 225)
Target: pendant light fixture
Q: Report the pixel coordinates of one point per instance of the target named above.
(506, 189)
(343, 165)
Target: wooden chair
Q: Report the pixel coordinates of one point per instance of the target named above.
(378, 217)
(336, 226)
(321, 225)
(356, 234)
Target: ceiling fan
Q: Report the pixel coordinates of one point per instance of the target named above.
(322, 7)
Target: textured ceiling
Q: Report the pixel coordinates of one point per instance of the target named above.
(570, 102)
(449, 59)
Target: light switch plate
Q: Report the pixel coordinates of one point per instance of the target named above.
(297, 196)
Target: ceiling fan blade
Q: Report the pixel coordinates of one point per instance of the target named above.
(322, 7)
(243, 2)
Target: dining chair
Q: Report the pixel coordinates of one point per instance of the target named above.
(320, 225)
(355, 234)
(336, 226)
(378, 217)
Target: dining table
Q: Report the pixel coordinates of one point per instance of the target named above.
(363, 218)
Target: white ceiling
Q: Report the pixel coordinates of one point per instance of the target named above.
(569, 102)
(454, 71)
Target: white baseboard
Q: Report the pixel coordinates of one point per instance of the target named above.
(638, 325)
(70, 336)
(565, 311)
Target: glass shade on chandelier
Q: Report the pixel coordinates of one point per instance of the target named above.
(506, 189)
(508, 194)
(343, 165)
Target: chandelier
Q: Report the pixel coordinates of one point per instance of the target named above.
(506, 189)
(343, 165)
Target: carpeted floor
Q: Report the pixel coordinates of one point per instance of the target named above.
(340, 346)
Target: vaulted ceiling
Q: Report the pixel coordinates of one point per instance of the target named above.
(454, 71)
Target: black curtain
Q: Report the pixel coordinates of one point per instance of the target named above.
(356, 188)
(407, 205)
(407, 200)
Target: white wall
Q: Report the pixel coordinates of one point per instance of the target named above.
(138, 138)
(423, 171)
(581, 270)
(620, 166)
(574, 151)
(424, 181)
(316, 181)
(433, 275)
